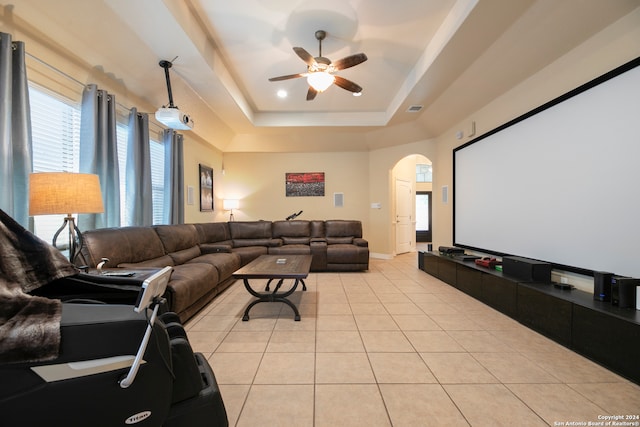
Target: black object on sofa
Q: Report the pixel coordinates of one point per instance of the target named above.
(205, 255)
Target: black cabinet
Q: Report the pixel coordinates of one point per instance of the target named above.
(595, 329)
(547, 314)
(499, 293)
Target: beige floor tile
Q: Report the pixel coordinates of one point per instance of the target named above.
(402, 308)
(525, 340)
(368, 308)
(234, 396)
(292, 342)
(557, 403)
(613, 398)
(294, 408)
(249, 342)
(235, 368)
(227, 309)
(420, 405)
(255, 324)
(368, 298)
(214, 323)
(400, 368)
(432, 308)
(205, 341)
(353, 405)
(397, 297)
(375, 322)
(514, 368)
(457, 368)
(336, 323)
(570, 367)
(433, 341)
(385, 342)
(325, 308)
(415, 322)
(479, 342)
(287, 323)
(339, 341)
(343, 368)
(286, 368)
(491, 405)
(455, 322)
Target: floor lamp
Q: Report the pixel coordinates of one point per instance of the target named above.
(230, 205)
(53, 193)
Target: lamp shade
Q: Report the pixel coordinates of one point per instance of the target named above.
(64, 193)
(320, 80)
(230, 204)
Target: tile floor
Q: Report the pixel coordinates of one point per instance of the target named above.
(394, 346)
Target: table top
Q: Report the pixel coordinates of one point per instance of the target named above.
(276, 267)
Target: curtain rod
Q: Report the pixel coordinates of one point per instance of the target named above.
(73, 79)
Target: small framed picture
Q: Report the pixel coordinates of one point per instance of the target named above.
(206, 188)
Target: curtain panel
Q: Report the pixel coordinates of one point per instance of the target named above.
(139, 201)
(99, 154)
(15, 131)
(173, 210)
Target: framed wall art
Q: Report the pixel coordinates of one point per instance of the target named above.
(300, 184)
(206, 188)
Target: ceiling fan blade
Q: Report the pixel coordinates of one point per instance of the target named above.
(287, 77)
(347, 84)
(349, 61)
(305, 56)
(311, 94)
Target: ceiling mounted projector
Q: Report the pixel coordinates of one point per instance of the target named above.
(174, 118)
(171, 116)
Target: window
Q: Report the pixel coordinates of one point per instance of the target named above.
(423, 173)
(55, 127)
(55, 123)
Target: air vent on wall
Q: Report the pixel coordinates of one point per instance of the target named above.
(414, 108)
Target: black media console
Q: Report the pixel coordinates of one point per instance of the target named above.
(604, 333)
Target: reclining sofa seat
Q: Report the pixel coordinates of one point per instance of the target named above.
(346, 249)
(300, 237)
(250, 239)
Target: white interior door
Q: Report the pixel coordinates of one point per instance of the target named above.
(404, 208)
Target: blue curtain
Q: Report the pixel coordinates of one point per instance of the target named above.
(99, 154)
(173, 212)
(139, 202)
(15, 132)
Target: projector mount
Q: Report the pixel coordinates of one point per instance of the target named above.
(166, 65)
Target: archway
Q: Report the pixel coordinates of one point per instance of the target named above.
(412, 186)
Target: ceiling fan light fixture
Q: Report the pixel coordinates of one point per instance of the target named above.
(320, 80)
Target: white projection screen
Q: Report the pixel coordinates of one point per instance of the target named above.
(559, 184)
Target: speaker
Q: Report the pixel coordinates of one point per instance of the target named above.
(623, 291)
(338, 200)
(526, 269)
(602, 286)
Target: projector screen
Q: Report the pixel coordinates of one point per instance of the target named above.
(559, 184)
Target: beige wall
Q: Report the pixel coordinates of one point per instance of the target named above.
(257, 180)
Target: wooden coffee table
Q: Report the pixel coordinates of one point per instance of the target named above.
(275, 267)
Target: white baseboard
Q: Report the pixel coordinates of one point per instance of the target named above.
(380, 256)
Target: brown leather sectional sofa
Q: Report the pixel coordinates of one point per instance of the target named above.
(205, 255)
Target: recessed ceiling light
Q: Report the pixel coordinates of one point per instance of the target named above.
(282, 93)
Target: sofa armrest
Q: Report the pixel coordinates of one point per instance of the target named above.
(358, 241)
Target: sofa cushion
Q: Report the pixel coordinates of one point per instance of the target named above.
(339, 240)
(242, 243)
(210, 248)
(343, 228)
(250, 229)
(291, 250)
(294, 228)
(296, 240)
(347, 254)
(177, 237)
(121, 245)
(159, 262)
(212, 232)
(225, 263)
(180, 257)
(189, 282)
(249, 253)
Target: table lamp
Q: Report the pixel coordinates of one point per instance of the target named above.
(230, 205)
(65, 193)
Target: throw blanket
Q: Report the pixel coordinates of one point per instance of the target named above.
(29, 325)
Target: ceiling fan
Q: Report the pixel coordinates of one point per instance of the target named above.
(320, 70)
